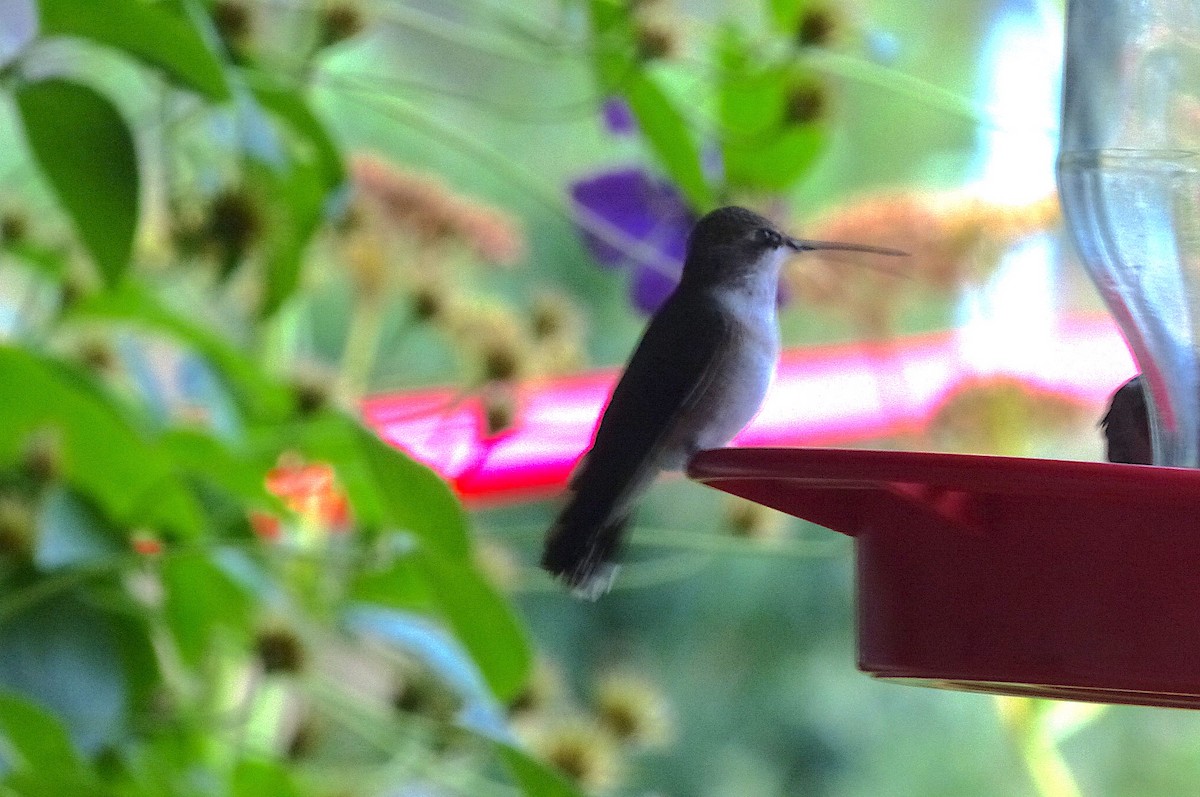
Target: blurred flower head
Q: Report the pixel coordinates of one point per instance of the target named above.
(42, 455)
(819, 25)
(656, 39)
(1002, 415)
(495, 338)
(14, 227)
(235, 222)
(279, 650)
(951, 239)
(18, 525)
(339, 21)
(806, 102)
(419, 691)
(424, 206)
(633, 710)
(753, 521)
(146, 543)
(234, 23)
(580, 749)
(544, 690)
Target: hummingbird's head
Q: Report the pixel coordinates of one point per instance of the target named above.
(733, 244)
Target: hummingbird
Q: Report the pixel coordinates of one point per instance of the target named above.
(697, 377)
(1126, 425)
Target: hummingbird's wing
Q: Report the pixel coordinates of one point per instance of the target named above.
(669, 372)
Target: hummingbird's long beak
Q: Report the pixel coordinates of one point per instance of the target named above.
(802, 245)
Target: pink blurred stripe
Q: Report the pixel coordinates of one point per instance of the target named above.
(822, 396)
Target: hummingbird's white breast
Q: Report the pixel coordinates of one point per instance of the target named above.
(742, 374)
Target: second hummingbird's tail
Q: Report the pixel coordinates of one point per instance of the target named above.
(582, 546)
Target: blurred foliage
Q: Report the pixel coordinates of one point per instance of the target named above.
(168, 624)
(229, 220)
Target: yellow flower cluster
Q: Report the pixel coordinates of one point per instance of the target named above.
(950, 239)
(628, 714)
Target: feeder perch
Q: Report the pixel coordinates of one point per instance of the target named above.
(1076, 580)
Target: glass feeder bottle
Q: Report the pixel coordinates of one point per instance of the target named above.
(1129, 182)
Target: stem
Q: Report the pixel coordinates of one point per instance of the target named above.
(48, 586)
(362, 348)
(1050, 773)
(1047, 768)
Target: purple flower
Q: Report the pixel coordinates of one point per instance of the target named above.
(650, 289)
(618, 117)
(635, 221)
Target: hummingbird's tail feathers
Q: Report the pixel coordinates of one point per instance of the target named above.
(581, 550)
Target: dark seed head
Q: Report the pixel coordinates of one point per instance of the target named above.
(805, 104)
(280, 651)
(234, 223)
(13, 228)
(339, 22)
(816, 28)
(232, 21)
(655, 42)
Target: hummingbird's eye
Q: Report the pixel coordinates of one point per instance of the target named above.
(767, 236)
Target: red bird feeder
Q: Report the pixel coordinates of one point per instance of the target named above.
(1045, 578)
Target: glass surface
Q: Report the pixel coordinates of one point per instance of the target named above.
(1129, 181)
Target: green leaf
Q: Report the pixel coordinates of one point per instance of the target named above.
(786, 14)
(386, 486)
(760, 148)
(199, 454)
(750, 95)
(130, 632)
(201, 601)
(256, 395)
(669, 137)
(289, 105)
(414, 497)
(147, 31)
(86, 153)
(258, 778)
(102, 455)
(481, 620)
(777, 163)
(396, 584)
(614, 44)
(533, 777)
(295, 196)
(36, 737)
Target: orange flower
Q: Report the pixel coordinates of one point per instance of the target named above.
(308, 489)
(266, 525)
(145, 544)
